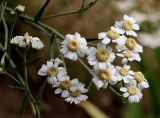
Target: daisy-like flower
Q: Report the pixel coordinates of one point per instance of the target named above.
(128, 25)
(77, 94)
(128, 55)
(124, 73)
(74, 46)
(142, 82)
(132, 92)
(64, 85)
(20, 8)
(129, 44)
(101, 56)
(53, 70)
(113, 35)
(103, 77)
(26, 40)
(35, 42)
(19, 41)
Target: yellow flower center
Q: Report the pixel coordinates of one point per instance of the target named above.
(75, 93)
(52, 71)
(65, 84)
(112, 34)
(130, 43)
(128, 54)
(105, 75)
(138, 76)
(73, 45)
(123, 71)
(132, 90)
(102, 55)
(127, 25)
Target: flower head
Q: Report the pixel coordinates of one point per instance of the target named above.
(142, 82)
(77, 93)
(129, 44)
(124, 73)
(26, 40)
(103, 77)
(131, 92)
(19, 41)
(53, 70)
(62, 86)
(128, 25)
(20, 8)
(128, 55)
(74, 46)
(112, 35)
(101, 56)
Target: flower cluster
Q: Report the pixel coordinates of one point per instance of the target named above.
(26, 40)
(72, 90)
(119, 41)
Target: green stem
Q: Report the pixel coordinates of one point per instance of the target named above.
(28, 92)
(114, 91)
(41, 11)
(80, 10)
(86, 67)
(13, 78)
(24, 101)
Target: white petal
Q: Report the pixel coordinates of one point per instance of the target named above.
(97, 82)
(64, 94)
(58, 90)
(123, 89)
(135, 26)
(125, 95)
(102, 35)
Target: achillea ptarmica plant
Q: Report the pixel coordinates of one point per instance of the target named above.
(101, 57)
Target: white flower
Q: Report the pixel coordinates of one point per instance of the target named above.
(128, 25)
(26, 40)
(124, 73)
(111, 36)
(74, 46)
(52, 70)
(142, 82)
(19, 41)
(129, 44)
(131, 92)
(77, 94)
(103, 77)
(128, 55)
(35, 42)
(63, 85)
(20, 8)
(100, 57)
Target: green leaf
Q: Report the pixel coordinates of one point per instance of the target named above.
(133, 111)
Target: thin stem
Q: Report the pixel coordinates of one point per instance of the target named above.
(80, 10)
(41, 11)
(60, 14)
(6, 32)
(90, 84)
(12, 77)
(28, 92)
(86, 67)
(24, 101)
(114, 91)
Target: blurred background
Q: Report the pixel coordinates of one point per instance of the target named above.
(97, 19)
